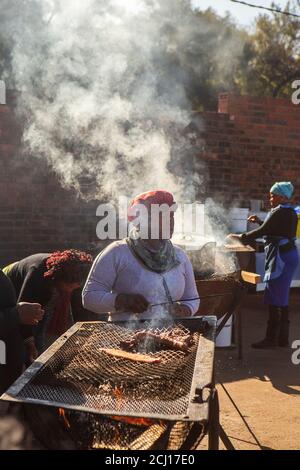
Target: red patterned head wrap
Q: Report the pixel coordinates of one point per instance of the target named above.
(150, 197)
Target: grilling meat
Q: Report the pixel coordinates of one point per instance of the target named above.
(131, 356)
(163, 340)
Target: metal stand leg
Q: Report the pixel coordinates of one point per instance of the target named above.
(214, 424)
(215, 430)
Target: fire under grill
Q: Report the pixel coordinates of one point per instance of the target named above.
(142, 402)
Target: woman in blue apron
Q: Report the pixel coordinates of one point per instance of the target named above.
(279, 231)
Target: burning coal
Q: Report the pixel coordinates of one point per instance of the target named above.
(62, 415)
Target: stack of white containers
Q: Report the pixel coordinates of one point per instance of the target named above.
(238, 220)
(238, 224)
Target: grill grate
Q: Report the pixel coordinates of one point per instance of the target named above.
(77, 375)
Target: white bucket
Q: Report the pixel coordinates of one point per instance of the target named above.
(238, 219)
(239, 213)
(255, 205)
(238, 226)
(224, 337)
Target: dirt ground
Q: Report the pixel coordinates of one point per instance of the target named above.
(259, 396)
(264, 387)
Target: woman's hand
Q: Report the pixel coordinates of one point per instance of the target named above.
(254, 219)
(134, 303)
(29, 313)
(181, 310)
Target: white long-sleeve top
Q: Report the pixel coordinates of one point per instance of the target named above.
(117, 271)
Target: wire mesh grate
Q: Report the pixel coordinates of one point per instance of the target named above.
(80, 375)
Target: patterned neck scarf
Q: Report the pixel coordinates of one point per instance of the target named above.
(162, 260)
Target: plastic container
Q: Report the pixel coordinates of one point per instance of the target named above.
(239, 213)
(255, 205)
(238, 220)
(224, 337)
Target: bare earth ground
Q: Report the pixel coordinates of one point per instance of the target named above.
(264, 387)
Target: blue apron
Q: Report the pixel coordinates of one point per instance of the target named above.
(279, 268)
(274, 264)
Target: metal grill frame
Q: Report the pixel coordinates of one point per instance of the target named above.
(202, 384)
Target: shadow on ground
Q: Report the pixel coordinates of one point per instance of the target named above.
(274, 366)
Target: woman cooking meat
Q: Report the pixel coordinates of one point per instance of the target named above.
(131, 275)
(50, 280)
(279, 231)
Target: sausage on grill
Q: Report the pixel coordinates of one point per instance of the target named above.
(182, 343)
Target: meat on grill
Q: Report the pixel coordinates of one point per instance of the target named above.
(165, 339)
(136, 357)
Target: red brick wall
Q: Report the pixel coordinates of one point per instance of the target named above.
(36, 214)
(249, 144)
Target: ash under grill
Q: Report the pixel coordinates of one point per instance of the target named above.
(93, 431)
(77, 375)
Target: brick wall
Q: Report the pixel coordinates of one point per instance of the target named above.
(36, 214)
(247, 145)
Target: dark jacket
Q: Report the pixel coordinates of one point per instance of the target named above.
(282, 222)
(27, 276)
(9, 334)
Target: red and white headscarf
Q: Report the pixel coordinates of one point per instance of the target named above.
(150, 197)
(165, 257)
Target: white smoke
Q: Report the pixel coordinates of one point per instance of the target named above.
(103, 93)
(103, 90)
(101, 98)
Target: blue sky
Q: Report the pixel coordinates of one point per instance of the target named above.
(242, 14)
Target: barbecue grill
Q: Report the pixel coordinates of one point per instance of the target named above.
(222, 294)
(170, 404)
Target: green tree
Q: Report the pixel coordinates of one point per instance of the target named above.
(202, 50)
(272, 55)
(198, 50)
(221, 53)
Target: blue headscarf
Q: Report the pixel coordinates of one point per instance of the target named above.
(284, 188)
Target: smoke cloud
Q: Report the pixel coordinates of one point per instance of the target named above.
(103, 91)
